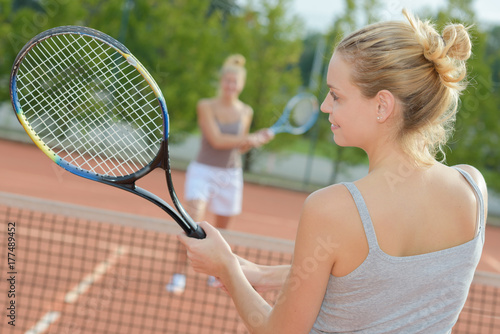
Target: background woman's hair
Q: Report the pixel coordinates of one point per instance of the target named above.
(234, 63)
(423, 69)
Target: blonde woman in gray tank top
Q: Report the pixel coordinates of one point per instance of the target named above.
(224, 121)
(214, 180)
(395, 251)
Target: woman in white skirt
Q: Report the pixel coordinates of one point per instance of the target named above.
(214, 180)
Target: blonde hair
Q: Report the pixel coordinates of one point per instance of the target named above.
(234, 63)
(422, 69)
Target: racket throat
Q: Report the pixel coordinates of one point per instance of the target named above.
(165, 164)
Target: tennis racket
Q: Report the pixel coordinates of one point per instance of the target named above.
(93, 109)
(299, 115)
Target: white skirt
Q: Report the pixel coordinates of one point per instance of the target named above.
(221, 188)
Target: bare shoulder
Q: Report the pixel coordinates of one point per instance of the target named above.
(330, 214)
(327, 205)
(205, 110)
(204, 104)
(476, 176)
(331, 196)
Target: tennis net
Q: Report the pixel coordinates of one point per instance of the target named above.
(81, 270)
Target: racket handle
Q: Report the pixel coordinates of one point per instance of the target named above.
(198, 233)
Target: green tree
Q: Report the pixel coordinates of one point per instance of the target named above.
(181, 45)
(492, 52)
(22, 20)
(6, 51)
(272, 45)
(476, 138)
(224, 7)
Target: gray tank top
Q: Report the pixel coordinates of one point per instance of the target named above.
(414, 294)
(230, 158)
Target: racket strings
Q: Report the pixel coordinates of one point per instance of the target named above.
(91, 97)
(77, 138)
(103, 106)
(114, 131)
(301, 113)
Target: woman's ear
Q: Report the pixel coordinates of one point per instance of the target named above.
(386, 104)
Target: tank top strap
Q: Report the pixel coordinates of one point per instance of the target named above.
(363, 214)
(480, 216)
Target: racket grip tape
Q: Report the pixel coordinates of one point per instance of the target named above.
(197, 233)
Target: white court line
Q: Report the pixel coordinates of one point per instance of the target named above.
(43, 324)
(72, 296)
(87, 281)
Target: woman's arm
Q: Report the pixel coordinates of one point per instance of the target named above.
(257, 139)
(302, 293)
(208, 125)
(262, 278)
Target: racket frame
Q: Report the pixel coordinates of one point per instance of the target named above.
(126, 182)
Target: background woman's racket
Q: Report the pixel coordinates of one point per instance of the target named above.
(299, 115)
(92, 108)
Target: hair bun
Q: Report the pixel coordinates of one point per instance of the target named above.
(235, 60)
(448, 53)
(457, 41)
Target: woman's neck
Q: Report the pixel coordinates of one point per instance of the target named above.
(391, 159)
(228, 100)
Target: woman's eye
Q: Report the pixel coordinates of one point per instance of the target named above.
(335, 97)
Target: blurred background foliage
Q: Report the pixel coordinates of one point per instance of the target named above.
(183, 44)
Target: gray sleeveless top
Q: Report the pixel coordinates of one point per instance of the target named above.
(414, 294)
(229, 158)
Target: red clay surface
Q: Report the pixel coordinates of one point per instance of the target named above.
(269, 211)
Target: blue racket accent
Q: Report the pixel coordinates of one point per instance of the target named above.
(95, 110)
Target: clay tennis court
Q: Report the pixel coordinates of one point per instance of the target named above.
(267, 211)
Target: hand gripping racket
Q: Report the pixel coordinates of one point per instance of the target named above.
(299, 115)
(93, 109)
